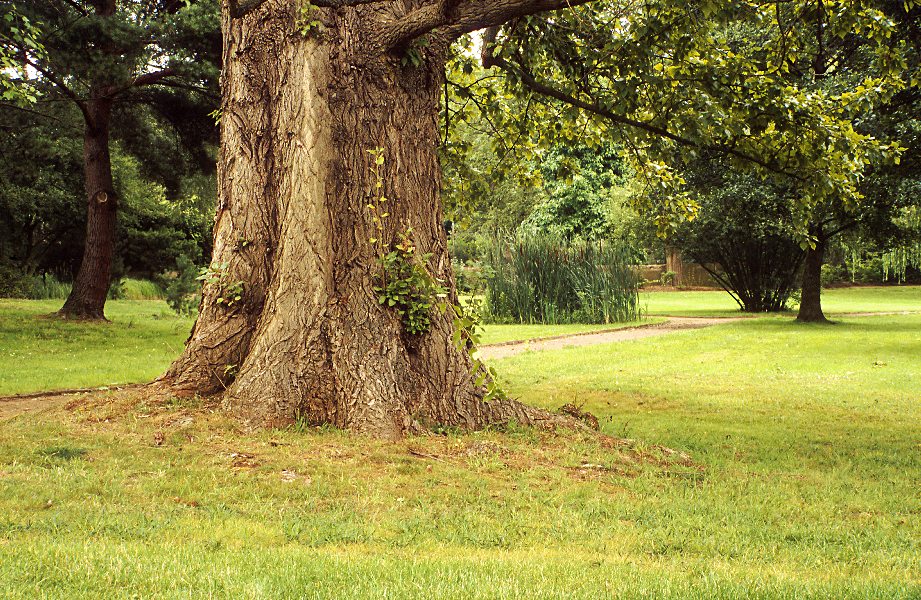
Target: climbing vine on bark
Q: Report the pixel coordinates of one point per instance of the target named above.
(406, 286)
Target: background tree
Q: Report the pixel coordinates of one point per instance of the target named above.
(108, 58)
(584, 190)
(42, 220)
(662, 80)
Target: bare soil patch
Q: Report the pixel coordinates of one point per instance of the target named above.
(10, 406)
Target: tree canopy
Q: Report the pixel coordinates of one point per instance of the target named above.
(754, 81)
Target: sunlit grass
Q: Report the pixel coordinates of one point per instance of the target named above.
(802, 483)
(718, 303)
(39, 353)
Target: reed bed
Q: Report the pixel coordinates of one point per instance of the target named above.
(548, 280)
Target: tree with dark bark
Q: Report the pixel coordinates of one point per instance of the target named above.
(291, 323)
(106, 56)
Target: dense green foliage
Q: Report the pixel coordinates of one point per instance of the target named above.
(743, 235)
(406, 287)
(156, 64)
(43, 215)
(544, 279)
(17, 34)
(583, 194)
(732, 77)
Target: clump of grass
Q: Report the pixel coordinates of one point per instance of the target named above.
(33, 287)
(49, 286)
(538, 278)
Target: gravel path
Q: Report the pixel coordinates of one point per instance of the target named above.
(505, 350)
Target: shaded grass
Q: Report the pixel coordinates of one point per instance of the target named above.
(803, 484)
(39, 353)
(718, 303)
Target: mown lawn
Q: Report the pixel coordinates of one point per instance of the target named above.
(796, 476)
(38, 352)
(718, 303)
(143, 337)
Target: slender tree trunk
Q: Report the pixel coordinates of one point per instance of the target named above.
(810, 307)
(309, 339)
(675, 264)
(91, 286)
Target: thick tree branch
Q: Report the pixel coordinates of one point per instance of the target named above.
(473, 15)
(152, 78)
(63, 87)
(140, 81)
(453, 18)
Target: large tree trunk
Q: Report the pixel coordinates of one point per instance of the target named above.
(309, 338)
(810, 307)
(88, 296)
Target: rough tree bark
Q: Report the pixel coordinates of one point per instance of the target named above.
(309, 338)
(87, 297)
(810, 307)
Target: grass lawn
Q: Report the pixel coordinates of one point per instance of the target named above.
(718, 303)
(796, 477)
(38, 353)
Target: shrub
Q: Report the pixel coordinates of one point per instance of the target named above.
(15, 284)
(141, 289)
(470, 276)
(182, 288)
(744, 225)
(832, 274)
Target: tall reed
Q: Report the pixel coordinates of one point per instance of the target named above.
(536, 278)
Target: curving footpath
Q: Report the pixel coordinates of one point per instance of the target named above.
(576, 340)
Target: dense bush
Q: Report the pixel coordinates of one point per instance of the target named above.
(16, 284)
(544, 279)
(743, 225)
(470, 276)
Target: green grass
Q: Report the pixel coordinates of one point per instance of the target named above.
(804, 442)
(39, 353)
(494, 334)
(718, 303)
(142, 289)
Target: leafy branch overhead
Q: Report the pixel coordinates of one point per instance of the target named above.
(756, 82)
